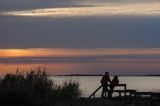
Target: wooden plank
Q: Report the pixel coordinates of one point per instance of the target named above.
(93, 94)
(130, 91)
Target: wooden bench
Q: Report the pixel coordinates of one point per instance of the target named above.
(127, 91)
(118, 85)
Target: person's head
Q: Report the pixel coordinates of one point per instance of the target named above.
(106, 73)
(115, 77)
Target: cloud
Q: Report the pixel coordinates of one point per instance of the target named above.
(104, 24)
(110, 55)
(90, 26)
(18, 5)
(149, 9)
(97, 61)
(80, 32)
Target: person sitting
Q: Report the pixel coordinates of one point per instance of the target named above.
(104, 81)
(114, 82)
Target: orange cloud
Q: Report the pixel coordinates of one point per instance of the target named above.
(52, 52)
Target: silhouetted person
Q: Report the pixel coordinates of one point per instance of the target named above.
(104, 81)
(114, 82)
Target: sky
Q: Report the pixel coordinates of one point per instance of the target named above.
(121, 36)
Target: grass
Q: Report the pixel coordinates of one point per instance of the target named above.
(35, 89)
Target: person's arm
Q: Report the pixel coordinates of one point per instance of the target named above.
(102, 79)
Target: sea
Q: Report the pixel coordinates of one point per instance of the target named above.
(88, 84)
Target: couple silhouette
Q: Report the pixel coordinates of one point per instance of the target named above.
(107, 83)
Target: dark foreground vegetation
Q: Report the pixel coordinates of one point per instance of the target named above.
(35, 89)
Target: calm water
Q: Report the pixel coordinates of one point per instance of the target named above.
(89, 83)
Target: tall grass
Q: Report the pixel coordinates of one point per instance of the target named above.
(35, 89)
(68, 90)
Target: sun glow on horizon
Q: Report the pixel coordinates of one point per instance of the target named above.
(108, 58)
(53, 52)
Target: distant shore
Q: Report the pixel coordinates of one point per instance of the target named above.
(97, 75)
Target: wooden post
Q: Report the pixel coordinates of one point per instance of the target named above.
(93, 94)
(120, 94)
(125, 88)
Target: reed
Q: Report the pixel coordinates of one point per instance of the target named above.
(34, 88)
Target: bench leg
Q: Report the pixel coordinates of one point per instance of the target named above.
(130, 94)
(120, 94)
(124, 94)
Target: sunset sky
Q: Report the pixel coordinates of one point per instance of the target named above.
(80, 36)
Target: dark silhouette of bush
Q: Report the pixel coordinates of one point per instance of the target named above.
(35, 89)
(69, 89)
(13, 90)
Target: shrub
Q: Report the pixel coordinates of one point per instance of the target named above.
(34, 88)
(70, 89)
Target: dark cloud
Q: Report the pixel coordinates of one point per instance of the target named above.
(84, 32)
(76, 32)
(12, 5)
